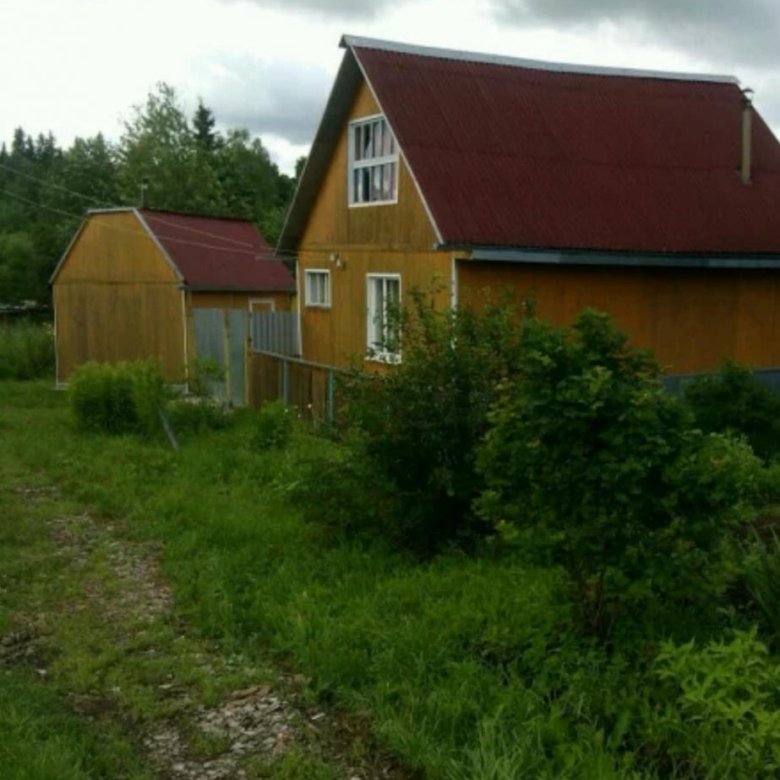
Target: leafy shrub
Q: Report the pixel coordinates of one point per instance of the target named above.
(273, 427)
(761, 574)
(733, 399)
(338, 488)
(719, 709)
(421, 422)
(197, 415)
(26, 350)
(205, 376)
(593, 466)
(118, 397)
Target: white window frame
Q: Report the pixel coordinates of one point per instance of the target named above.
(311, 273)
(370, 162)
(269, 303)
(379, 355)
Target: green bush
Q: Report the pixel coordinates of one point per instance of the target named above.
(421, 422)
(118, 397)
(337, 488)
(718, 710)
(761, 575)
(26, 350)
(205, 377)
(733, 399)
(273, 427)
(590, 464)
(197, 415)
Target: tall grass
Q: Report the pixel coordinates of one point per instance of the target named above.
(469, 668)
(26, 350)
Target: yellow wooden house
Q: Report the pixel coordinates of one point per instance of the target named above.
(654, 196)
(128, 284)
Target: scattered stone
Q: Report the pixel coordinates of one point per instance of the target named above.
(198, 743)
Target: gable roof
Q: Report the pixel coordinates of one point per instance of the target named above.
(217, 254)
(210, 253)
(523, 154)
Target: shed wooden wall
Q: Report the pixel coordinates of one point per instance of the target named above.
(691, 318)
(389, 238)
(116, 298)
(237, 300)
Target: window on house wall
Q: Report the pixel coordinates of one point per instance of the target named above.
(317, 287)
(384, 298)
(373, 162)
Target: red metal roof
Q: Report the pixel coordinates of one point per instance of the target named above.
(218, 254)
(506, 155)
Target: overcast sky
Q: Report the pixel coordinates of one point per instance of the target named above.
(76, 67)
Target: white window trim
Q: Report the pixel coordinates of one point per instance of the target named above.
(311, 271)
(373, 355)
(352, 164)
(270, 301)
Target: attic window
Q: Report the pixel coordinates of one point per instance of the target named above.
(373, 162)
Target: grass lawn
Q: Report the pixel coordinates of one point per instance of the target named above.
(461, 668)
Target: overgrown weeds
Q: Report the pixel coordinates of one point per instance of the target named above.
(577, 637)
(118, 398)
(734, 400)
(26, 350)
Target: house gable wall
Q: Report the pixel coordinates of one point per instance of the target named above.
(385, 238)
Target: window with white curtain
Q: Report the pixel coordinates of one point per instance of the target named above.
(384, 298)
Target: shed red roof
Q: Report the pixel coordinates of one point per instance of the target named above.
(218, 254)
(508, 153)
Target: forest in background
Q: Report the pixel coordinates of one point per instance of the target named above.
(188, 165)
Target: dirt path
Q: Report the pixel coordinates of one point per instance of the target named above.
(103, 629)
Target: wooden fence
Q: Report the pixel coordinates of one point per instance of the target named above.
(310, 388)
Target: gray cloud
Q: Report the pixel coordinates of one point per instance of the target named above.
(354, 9)
(282, 98)
(727, 31)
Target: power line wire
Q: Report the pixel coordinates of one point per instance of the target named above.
(49, 184)
(260, 254)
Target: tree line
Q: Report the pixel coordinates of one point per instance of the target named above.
(181, 163)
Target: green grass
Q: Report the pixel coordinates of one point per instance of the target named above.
(465, 667)
(43, 736)
(26, 350)
(42, 739)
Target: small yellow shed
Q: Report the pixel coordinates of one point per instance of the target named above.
(127, 285)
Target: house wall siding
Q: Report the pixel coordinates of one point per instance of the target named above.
(117, 298)
(390, 238)
(691, 318)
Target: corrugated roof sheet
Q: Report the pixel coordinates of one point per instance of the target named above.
(507, 155)
(219, 254)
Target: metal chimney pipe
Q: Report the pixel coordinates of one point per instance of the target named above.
(747, 135)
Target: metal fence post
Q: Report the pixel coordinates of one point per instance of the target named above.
(331, 400)
(285, 382)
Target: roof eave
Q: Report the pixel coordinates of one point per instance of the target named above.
(64, 257)
(325, 141)
(625, 258)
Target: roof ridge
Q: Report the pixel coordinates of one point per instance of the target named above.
(354, 41)
(192, 215)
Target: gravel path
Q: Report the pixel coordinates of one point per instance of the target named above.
(121, 585)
